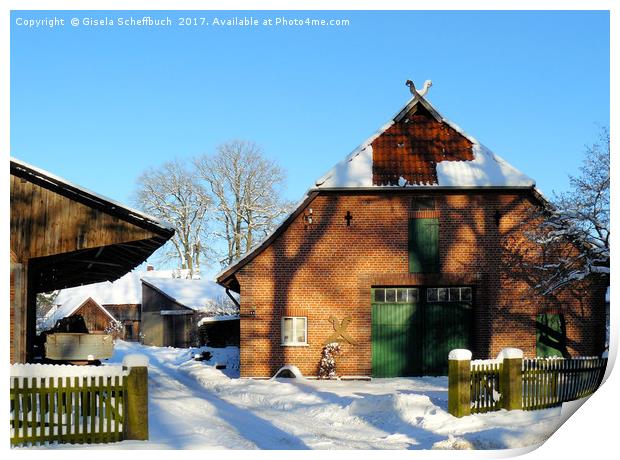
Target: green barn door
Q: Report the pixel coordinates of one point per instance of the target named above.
(551, 336)
(447, 326)
(411, 337)
(423, 245)
(396, 333)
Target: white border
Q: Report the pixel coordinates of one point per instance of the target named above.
(590, 433)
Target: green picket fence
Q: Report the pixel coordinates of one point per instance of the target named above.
(542, 383)
(550, 382)
(67, 409)
(485, 387)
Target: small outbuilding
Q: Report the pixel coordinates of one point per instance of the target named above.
(97, 318)
(63, 235)
(182, 312)
(114, 307)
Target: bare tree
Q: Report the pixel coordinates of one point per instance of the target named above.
(245, 188)
(45, 303)
(574, 231)
(173, 193)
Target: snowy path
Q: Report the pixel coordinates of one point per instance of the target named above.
(183, 414)
(194, 406)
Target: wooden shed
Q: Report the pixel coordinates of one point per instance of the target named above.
(63, 235)
(104, 305)
(173, 311)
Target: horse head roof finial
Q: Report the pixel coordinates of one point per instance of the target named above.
(423, 91)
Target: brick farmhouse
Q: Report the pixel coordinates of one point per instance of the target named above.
(412, 245)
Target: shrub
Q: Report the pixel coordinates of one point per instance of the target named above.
(327, 366)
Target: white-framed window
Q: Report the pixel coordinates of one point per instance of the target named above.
(294, 331)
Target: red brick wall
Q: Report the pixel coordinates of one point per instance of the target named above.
(328, 268)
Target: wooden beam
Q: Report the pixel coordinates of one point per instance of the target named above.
(96, 262)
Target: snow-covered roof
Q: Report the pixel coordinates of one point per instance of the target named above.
(125, 290)
(216, 319)
(486, 169)
(67, 309)
(356, 172)
(196, 294)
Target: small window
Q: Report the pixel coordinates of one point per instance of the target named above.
(294, 330)
(396, 295)
(413, 295)
(448, 294)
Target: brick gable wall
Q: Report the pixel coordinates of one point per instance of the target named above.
(327, 269)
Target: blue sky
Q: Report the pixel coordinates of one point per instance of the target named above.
(99, 105)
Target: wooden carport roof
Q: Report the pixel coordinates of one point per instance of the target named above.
(127, 237)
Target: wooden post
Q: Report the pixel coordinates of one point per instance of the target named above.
(459, 377)
(136, 423)
(511, 383)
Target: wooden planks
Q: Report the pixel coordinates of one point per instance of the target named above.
(546, 382)
(550, 382)
(67, 410)
(44, 223)
(485, 387)
(78, 346)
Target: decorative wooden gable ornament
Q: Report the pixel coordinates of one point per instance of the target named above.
(340, 330)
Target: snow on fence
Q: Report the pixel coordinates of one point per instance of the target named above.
(512, 382)
(70, 404)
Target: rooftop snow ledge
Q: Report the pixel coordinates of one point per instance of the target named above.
(459, 354)
(510, 353)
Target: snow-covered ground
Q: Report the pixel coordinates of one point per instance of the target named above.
(193, 405)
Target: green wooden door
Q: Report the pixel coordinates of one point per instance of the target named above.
(411, 337)
(423, 245)
(550, 336)
(396, 334)
(446, 327)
